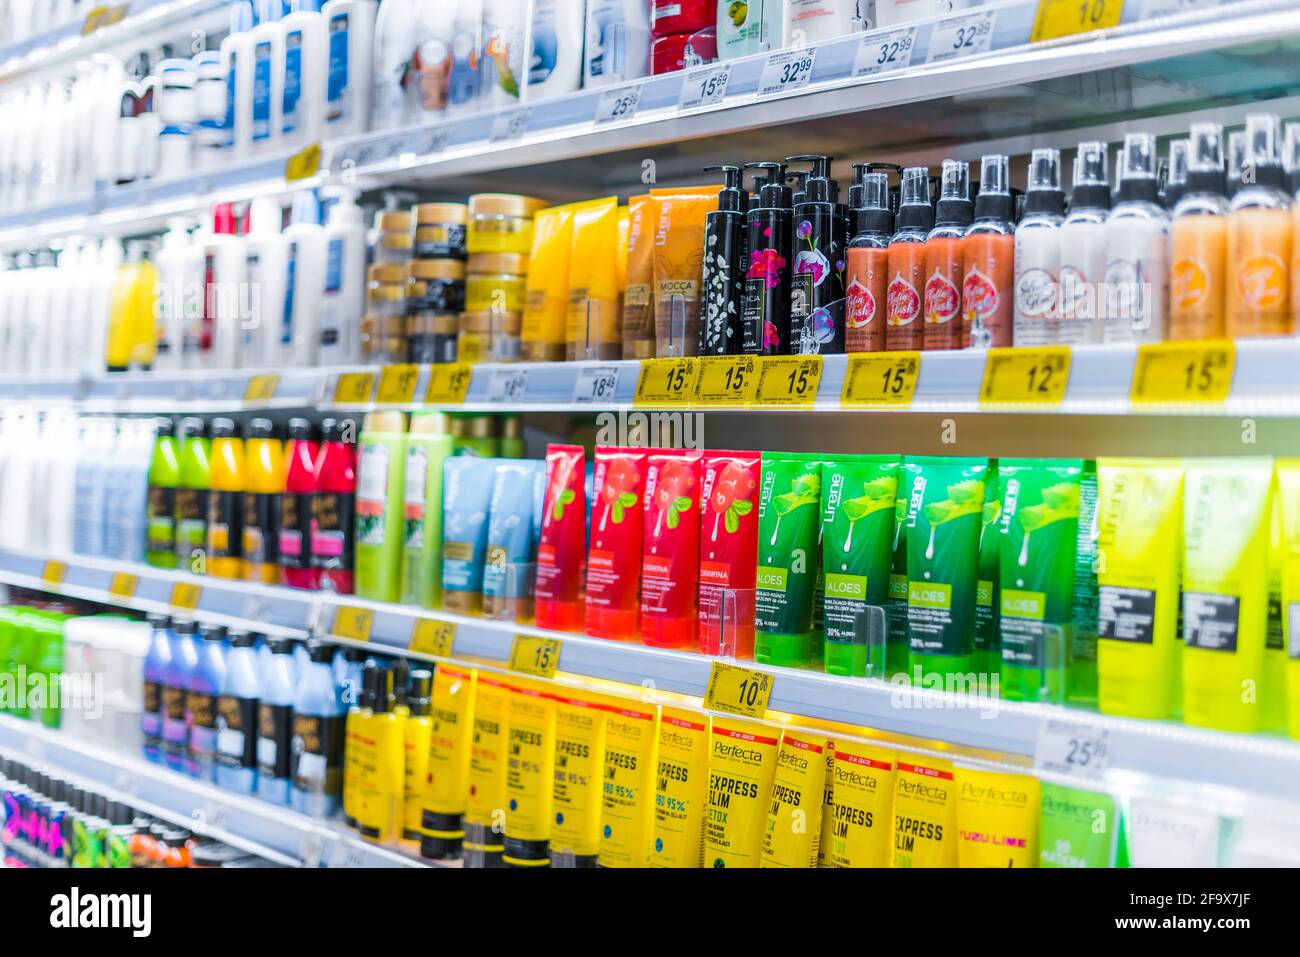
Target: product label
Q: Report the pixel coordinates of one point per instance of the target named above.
(1210, 621)
(1189, 284)
(417, 468)
(681, 790)
(201, 713)
(449, 747)
(338, 92)
(903, 302)
(627, 795)
(333, 522)
(485, 806)
(529, 774)
(372, 492)
(794, 812)
(333, 271)
(191, 523)
(262, 527)
(262, 91)
(942, 299)
(225, 524)
(924, 817)
(295, 524)
(1262, 281)
(1022, 627)
(742, 760)
(1076, 828)
(175, 727)
(317, 752)
(237, 723)
(440, 241)
(862, 791)
(160, 527)
(292, 80)
(151, 717)
(1126, 614)
(579, 755)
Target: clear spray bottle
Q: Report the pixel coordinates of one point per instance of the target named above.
(1083, 249)
(1038, 252)
(1137, 250)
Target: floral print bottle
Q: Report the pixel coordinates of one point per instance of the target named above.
(817, 282)
(723, 275)
(765, 319)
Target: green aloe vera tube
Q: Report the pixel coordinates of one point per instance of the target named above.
(858, 505)
(944, 513)
(789, 507)
(1081, 683)
(898, 651)
(1039, 530)
(1077, 828)
(986, 658)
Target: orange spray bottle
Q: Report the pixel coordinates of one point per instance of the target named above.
(1199, 241)
(867, 262)
(1291, 160)
(945, 259)
(915, 219)
(1259, 238)
(989, 251)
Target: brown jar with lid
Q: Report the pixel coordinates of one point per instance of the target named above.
(440, 230)
(488, 336)
(501, 223)
(390, 240)
(383, 328)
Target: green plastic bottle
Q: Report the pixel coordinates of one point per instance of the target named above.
(8, 655)
(427, 447)
(380, 503)
(164, 476)
(193, 486)
(46, 659)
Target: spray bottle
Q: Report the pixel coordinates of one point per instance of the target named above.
(1038, 252)
(945, 258)
(1198, 286)
(989, 259)
(905, 325)
(724, 267)
(766, 315)
(817, 284)
(1137, 250)
(1083, 249)
(1259, 238)
(867, 260)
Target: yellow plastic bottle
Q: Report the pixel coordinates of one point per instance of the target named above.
(1288, 501)
(1259, 239)
(226, 503)
(132, 340)
(264, 461)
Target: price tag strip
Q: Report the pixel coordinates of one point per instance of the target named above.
(962, 36)
(533, 655)
(508, 385)
(885, 52)
(786, 71)
(726, 380)
(737, 690)
(303, 165)
(53, 573)
(704, 87)
(1074, 749)
(510, 125)
(397, 384)
(123, 585)
(261, 388)
(789, 380)
(881, 378)
(353, 623)
(617, 104)
(1026, 376)
(354, 388)
(1180, 372)
(595, 385)
(448, 383)
(431, 637)
(1064, 18)
(666, 382)
(185, 595)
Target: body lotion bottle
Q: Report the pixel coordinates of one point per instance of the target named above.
(1137, 250)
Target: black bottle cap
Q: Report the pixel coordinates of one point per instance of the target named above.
(184, 626)
(1090, 196)
(420, 697)
(401, 680)
(1044, 201)
(819, 186)
(355, 654)
(731, 198)
(1137, 189)
(871, 213)
(320, 652)
(223, 428)
(164, 425)
(157, 620)
(241, 639)
(774, 194)
(213, 632)
(300, 429)
(1207, 181)
(261, 429)
(281, 646)
(194, 427)
(120, 814)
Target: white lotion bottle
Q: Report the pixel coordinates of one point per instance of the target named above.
(350, 36)
(265, 252)
(1083, 249)
(555, 57)
(268, 79)
(305, 282)
(224, 308)
(306, 64)
(180, 294)
(1038, 252)
(344, 298)
(1137, 250)
(237, 57)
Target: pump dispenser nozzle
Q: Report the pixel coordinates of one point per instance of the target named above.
(1291, 156)
(994, 200)
(1263, 155)
(1044, 194)
(1137, 177)
(731, 197)
(872, 213)
(1176, 181)
(914, 209)
(955, 207)
(819, 187)
(1205, 160)
(1090, 187)
(774, 193)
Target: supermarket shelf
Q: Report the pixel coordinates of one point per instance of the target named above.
(1184, 59)
(277, 833)
(1257, 764)
(1264, 384)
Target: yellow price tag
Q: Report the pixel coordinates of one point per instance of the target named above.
(1026, 376)
(789, 380)
(531, 655)
(397, 384)
(738, 690)
(303, 164)
(186, 595)
(261, 388)
(103, 16)
(53, 573)
(881, 378)
(353, 623)
(123, 585)
(1184, 372)
(448, 383)
(354, 388)
(666, 382)
(1065, 18)
(726, 380)
(430, 637)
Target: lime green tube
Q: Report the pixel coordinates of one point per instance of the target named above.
(1272, 692)
(1139, 536)
(858, 502)
(1077, 828)
(1081, 681)
(1225, 591)
(381, 470)
(788, 512)
(1288, 557)
(898, 647)
(10, 656)
(943, 528)
(986, 655)
(426, 449)
(1039, 529)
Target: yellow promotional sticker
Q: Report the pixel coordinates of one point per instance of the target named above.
(863, 793)
(727, 381)
(450, 752)
(925, 814)
(789, 380)
(881, 378)
(530, 758)
(397, 384)
(485, 809)
(123, 585)
(261, 388)
(448, 383)
(432, 637)
(1055, 19)
(627, 800)
(997, 819)
(742, 762)
(1184, 372)
(665, 382)
(579, 767)
(794, 811)
(1019, 376)
(354, 388)
(681, 789)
